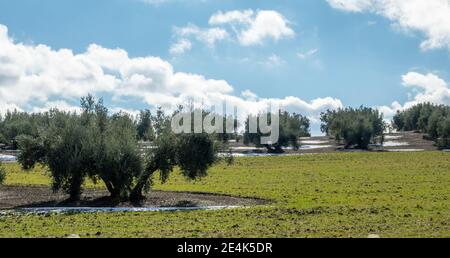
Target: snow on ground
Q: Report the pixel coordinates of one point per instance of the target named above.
(405, 150)
(393, 137)
(314, 142)
(312, 147)
(48, 210)
(395, 144)
(7, 158)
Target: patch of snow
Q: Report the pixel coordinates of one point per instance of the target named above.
(149, 147)
(314, 142)
(393, 137)
(395, 144)
(309, 147)
(313, 147)
(406, 150)
(47, 210)
(249, 155)
(245, 148)
(8, 158)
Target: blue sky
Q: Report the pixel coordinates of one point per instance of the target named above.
(351, 52)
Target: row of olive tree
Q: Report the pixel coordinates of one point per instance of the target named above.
(427, 118)
(147, 125)
(355, 127)
(15, 123)
(291, 128)
(104, 148)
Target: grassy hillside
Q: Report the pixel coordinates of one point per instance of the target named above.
(326, 195)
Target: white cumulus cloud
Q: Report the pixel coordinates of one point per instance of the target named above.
(430, 17)
(235, 16)
(425, 88)
(37, 78)
(180, 47)
(255, 27)
(209, 36)
(246, 27)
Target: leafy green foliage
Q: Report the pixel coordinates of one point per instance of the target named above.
(291, 127)
(195, 154)
(17, 123)
(227, 136)
(2, 174)
(3, 139)
(144, 126)
(355, 127)
(105, 147)
(117, 159)
(61, 147)
(426, 118)
(444, 133)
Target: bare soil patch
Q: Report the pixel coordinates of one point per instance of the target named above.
(14, 197)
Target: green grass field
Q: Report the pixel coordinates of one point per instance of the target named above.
(326, 195)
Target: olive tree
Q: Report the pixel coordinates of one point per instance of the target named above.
(193, 153)
(144, 126)
(14, 124)
(291, 127)
(104, 147)
(444, 133)
(355, 127)
(61, 147)
(417, 117)
(433, 123)
(117, 160)
(431, 120)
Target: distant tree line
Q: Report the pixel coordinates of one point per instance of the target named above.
(431, 119)
(147, 125)
(354, 127)
(16, 123)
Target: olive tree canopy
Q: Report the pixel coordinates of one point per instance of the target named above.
(291, 128)
(355, 127)
(104, 147)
